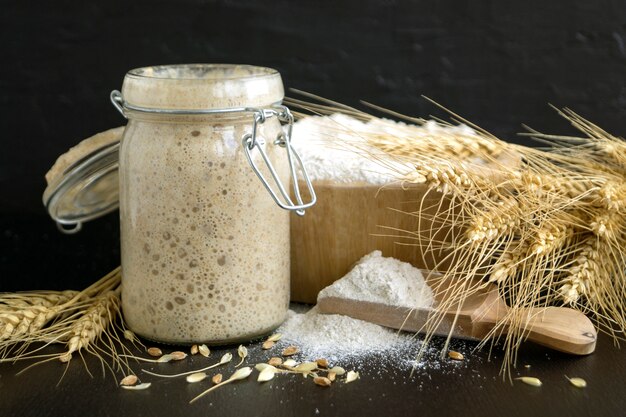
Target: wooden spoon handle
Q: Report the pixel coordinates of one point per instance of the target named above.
(563, 329)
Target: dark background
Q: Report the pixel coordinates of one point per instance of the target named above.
(498, 63)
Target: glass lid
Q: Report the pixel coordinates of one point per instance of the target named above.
(83, 183)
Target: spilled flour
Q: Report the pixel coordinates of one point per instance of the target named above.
(336, 337)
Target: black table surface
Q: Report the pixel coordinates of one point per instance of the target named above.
(35, 256)
(438, 387)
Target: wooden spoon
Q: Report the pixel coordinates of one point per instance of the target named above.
(559, 328)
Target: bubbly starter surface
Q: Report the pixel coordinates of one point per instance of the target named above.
(205, 250)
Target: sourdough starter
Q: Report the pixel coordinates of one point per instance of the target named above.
(205, 250)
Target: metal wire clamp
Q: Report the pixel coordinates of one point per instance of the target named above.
(250, 142)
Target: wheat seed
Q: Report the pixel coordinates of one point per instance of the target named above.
(322, 363)
(139, 387)
(155, 352)
(129, 380)
(267, 374)
(241, 373)
(457, 356)
(196, 377)
(178, 355)
(217, 378)
(290, 350)
(268, 344)
(332, 376)
(274, 338)
(243, 353)
(305, 367)
(352, 376)
(194, 349)
(275, 361)
(322, 381)
(204, 350)
(338, 370)
(290, 363)
(535, 382)
(577, 382)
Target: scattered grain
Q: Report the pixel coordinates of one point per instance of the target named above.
(322, 381)
(268, 344)
(290, 350)
(139, 387)
(129, 380)
(352, 376)
(155, 352)
(275, 361)
(535, 382)
(196, 377)
(274, 338)
(243, 353)
(204, 350)
(577, 382)
(322, 363)
(457, 356)
(217, 378)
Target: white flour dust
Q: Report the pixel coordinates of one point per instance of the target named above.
(335, 147)
(336, 337)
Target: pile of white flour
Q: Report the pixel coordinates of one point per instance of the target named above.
(335, 147)
(383, 280)
(335, 337)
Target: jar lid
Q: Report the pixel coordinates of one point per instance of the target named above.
(83, 183)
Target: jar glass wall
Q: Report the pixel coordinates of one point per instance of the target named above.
(205, 249)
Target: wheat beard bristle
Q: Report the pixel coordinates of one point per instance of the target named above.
(87, 329)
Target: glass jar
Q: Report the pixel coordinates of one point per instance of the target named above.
(205, 250)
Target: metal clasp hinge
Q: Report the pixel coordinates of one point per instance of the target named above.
(249, 142)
